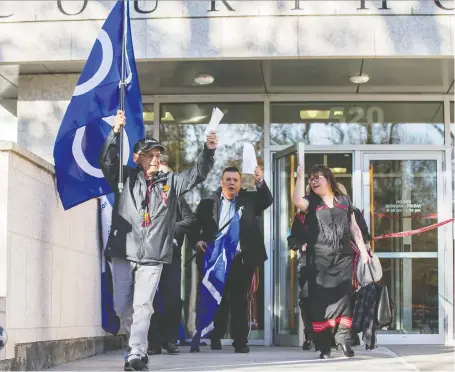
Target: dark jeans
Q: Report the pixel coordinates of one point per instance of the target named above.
(165, 321)
(235, 302)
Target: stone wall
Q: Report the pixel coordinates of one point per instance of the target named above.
(49, 258)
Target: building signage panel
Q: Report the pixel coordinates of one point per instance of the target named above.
(17, 11)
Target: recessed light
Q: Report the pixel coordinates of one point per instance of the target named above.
(360, 79)
(203, 79)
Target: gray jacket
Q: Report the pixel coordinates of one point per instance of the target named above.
(128, 238)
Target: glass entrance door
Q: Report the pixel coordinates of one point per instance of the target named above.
(286, 306)
(288, 327)
(403, 193)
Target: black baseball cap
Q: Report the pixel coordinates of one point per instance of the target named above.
(146, 144)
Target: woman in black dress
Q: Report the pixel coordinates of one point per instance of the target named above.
(331, 226)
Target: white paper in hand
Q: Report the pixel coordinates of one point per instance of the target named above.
(249, 162)
(217, 115)
(301, 153)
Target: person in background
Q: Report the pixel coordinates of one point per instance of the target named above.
(165, 321)
(331, 226)
(213, 213)
(143, 229)
(297, 241)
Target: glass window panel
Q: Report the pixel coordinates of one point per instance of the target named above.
(413, 286)
(452, 124)
(149, 116)
(286, 275)
(404, 198)
(181, 132)
(452, 137)
(452, 114)
(357, 123)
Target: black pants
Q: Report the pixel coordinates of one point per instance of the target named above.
(235, 302)
(167, 305)
(305, 309)
(304, 303)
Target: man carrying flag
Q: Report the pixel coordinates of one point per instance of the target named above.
(143, 229)
(234, 249)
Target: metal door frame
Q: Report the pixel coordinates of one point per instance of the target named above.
(412, 338)
(277, 339)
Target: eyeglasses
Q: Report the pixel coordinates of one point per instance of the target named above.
(151, 156)
(315, 179)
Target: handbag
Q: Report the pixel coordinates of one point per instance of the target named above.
(385, 310)
(374, 274)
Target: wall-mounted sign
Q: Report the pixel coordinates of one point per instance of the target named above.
(403, 206)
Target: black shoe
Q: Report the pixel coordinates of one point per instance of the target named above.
(215, 344)
(308, 344)
(154, 350)
(172, 348)
(325, 353)
(242, 349)
(139, 364)
(346, 349)
(194, 349)
(128, 367)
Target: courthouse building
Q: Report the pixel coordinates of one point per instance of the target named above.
(366, 87)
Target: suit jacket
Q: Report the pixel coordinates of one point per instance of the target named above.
(186, 223)
(251, 239)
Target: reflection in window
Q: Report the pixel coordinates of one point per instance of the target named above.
(405, 198)
(357, 123)
(182, 129)
(452, 124)
(149, 116)
(413, 286)
(182, 133)
(452, 137)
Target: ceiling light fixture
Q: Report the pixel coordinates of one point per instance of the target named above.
(360, 79)
(203, 79)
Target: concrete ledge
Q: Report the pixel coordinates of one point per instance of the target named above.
(36, 356)
(7, 146)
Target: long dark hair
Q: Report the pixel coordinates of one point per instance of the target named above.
(321, 169)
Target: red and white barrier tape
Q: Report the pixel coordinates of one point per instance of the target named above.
(414, 232)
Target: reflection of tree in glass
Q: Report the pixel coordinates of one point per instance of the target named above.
(416, 182)
(185, 141)
(358, 124)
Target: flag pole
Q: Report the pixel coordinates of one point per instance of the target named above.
(122, 93)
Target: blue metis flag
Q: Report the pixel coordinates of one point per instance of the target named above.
(218, 257)
(91, 112)
(109, 319)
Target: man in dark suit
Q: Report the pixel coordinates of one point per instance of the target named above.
(213, 213)
(165, 321)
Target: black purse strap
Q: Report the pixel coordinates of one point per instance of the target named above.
(371, 272)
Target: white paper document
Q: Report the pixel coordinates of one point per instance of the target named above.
(249, 162)
(217, 115)
(301, 153)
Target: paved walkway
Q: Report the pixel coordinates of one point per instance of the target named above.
(392, 358)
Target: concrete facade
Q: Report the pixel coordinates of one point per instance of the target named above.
(50, 260)
(32, 31)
